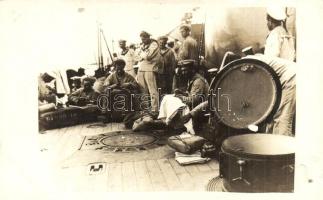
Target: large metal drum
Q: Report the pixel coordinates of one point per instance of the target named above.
(245, 92)
(258, 163)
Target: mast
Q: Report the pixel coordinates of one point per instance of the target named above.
(99, 46)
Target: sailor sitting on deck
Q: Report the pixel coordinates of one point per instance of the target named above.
(197, 88)
(85, 95)
(196, 92)
(121, 92)
(120, 79)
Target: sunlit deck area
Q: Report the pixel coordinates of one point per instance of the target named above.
(151, 169)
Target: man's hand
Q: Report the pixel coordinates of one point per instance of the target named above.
(125, 85)
(113, 86)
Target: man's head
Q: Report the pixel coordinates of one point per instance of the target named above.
(145, 37)
(275, 17)
(47, 78)
(185, 30)
(171, 44)
(122, 44)
(162, 40)
(187, 68)
(119, 65)
(88, 83)
(132, 46)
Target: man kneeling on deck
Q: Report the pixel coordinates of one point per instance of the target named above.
(174, 106)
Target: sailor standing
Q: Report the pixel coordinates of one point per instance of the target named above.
(166, 72)
(278, 43)
(188, 50)
(150, 61)
(128, 55)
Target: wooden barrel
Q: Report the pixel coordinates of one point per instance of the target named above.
(258, 163)
(245, 92)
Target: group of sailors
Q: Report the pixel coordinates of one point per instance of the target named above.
(161, 67)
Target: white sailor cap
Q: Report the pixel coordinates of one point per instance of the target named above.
(278, 13)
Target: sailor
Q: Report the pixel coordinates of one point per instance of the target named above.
(128, 55)
(197, 87)
(188, 50)
(85, 95)
(46, 94)
(282, 121)
(150, 61)
(278, 43)
(120, 79)
(166, 72)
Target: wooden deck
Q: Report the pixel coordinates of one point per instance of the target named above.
(163, 174)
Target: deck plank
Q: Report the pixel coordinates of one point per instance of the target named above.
(177, 167)
(115, 177)
(169, 174)
(72, 179)
(128, 177)
(203, 167)
(156, 177)
(187, 183)
(191, 169)
(142, 177)
(201, 180)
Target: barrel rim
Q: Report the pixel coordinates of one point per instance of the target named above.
(278, 87)
(246, 155)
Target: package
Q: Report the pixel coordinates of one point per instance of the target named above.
(185, 159)
(186, 143)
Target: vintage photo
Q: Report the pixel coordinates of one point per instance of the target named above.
(169, 97)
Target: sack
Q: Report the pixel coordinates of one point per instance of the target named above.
(186, 145)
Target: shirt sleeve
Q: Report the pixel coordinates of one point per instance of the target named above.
(273, 45)
(108, 81)
(152, 51)
(173, 63)
(132, 81)
(73, 97)
(196, 95)
(200, 108)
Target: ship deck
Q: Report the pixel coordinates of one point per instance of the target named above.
(61, 147)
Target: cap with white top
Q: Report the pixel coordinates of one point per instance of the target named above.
(278, 13)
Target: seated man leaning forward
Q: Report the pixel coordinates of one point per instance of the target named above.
(283, 118)
(120, 79)
(197, 88)
(85, 95)
(178, 104)
(121, 87)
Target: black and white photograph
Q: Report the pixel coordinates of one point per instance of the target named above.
(144, 96)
